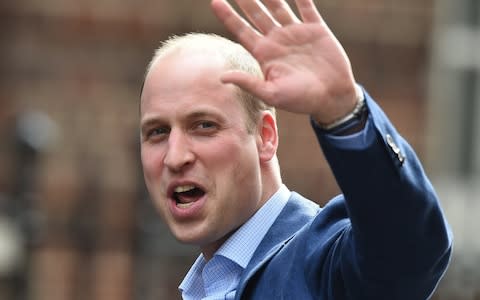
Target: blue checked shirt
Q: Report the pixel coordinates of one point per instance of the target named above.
(218, 278)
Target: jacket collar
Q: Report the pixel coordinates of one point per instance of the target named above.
(297, 212)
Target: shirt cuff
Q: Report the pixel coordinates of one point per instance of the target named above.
(357, 141)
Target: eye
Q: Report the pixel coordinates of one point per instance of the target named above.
(156, 133)
(205, 125)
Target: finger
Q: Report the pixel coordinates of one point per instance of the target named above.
(258, 15)
(249, 83)
(308, 11)
(281, 12)
(245, 34)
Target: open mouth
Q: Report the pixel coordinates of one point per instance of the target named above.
(186, 195)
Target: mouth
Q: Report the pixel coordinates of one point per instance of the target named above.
(186, 195)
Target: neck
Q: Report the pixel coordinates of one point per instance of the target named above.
(271, 180)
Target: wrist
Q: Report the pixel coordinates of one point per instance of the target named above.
(353, 122)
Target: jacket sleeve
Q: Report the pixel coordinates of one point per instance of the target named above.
(399, 244)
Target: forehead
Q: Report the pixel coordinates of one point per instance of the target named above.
(187, 79)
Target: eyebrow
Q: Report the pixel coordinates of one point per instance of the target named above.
(197, 114)
(148, 123)
(202, 114)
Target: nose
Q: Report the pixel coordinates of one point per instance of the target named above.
(179, 154)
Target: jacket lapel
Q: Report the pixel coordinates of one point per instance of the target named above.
(297, 212)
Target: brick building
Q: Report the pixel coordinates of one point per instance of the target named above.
(70, 180)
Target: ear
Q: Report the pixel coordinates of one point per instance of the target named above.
(267, 141)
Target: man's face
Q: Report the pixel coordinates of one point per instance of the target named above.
(200, 163)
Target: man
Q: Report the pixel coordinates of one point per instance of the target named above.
(208, 148)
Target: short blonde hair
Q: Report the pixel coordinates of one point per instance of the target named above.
(236, 58)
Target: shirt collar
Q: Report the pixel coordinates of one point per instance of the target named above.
(240, 247)
(193, 280)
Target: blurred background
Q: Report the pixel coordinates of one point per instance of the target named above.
(75, 221)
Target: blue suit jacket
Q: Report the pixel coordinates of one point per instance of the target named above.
(384, 238)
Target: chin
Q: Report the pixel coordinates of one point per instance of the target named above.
(186, 237)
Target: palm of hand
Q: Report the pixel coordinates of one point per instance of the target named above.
(305, 68)
(300, 61)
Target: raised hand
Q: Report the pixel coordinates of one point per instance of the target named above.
(305, 68)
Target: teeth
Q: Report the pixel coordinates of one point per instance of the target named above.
(184, 205)
(184, 188)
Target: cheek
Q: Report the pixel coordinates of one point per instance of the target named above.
(237, 155)
(152, 165)
(238, 170)
(152, 161)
